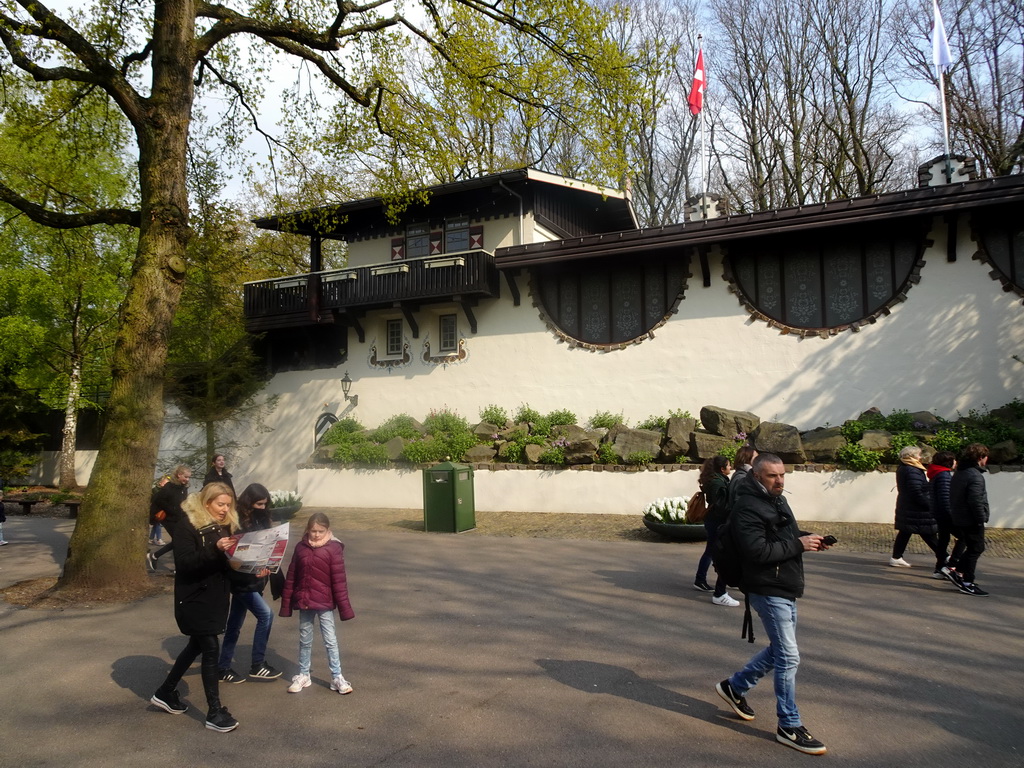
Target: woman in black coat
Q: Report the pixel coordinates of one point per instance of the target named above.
(914, 509)
(217, 473)
(202, 593)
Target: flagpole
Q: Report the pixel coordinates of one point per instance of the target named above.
(703, 147)
(945, 126)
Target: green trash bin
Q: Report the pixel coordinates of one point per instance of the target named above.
(448, 498)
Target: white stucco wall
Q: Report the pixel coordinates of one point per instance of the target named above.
(949, 347)
(856, 497)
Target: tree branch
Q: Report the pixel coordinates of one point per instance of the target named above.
(48, 218)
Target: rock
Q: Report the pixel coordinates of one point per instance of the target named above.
(876, 440)
(613, 432)
(394, 447)
(580, 444)
(726, 423)
(531, 453)
(480, 453)
(869, 414)
(704, 446)
(821, 444)
(678, 438)
(924, 420)
(1003, 452)
(629, 441)
(324, 453)
(485, 430)
(781, 439)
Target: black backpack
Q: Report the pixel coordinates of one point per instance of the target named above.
(729, 565)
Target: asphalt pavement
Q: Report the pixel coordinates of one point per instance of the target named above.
(471, 651)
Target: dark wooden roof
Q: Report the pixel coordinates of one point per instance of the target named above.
(925, 201)
(496, 195)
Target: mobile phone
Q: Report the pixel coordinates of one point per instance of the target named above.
(829, 540)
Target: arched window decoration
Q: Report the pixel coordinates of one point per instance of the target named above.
(828, 281)
(604, 305)
(1001, 235)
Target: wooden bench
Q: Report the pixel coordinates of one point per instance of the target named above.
(26, 506)
(73, 505)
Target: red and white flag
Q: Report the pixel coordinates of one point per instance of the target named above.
(696, 99)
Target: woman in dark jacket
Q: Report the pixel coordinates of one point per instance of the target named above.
(714, 483)
(940, 473)
(217, 473)
(168, 499)
(201, 595)
(968, 504)
(247, 596)
(913, 508)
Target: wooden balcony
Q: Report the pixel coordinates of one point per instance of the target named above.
(323, 297)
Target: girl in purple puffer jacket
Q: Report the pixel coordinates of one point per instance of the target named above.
(316, 585)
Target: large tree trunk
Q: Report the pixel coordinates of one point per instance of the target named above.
(67, 480)
(107, 549)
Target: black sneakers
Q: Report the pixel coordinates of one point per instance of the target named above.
(800, 739)
(263, 671)
(230, 676)
(169, 701)
(220, 720)
(703, 586)
(971, 589)
(738, 703)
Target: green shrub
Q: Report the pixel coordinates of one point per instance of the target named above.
(425, 450)
(526, 415)
(640, 458)
(553, 455)
(899, 441)
(858, 458)
(682, 458)
(513, 452)
(605, 420)
(606, 454)
(445, 422)
(494, 414)
(401, 425)
(340, 431)
(560, 418)
(899, 421)
(370, 453)
(729, 451)
(657, 423)
(949, 439)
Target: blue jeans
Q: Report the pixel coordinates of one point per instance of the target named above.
(778, 615)
(326, 632)
(254, 603)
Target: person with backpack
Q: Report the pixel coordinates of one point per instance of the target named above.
(769, 546)
(714, 484)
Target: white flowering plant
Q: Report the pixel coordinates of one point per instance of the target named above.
(284, 499)
(671, 509)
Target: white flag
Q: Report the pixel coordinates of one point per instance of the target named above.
(940, 45)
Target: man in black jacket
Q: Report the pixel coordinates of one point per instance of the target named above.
(968, 509)
(771, 547)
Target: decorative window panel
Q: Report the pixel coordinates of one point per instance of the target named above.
(397, 248)
(394, 331)
(456, 234)
(605, 304)
(1001, 234)
(448, 328)
(825, 281)
(476, 237)
(417, 241)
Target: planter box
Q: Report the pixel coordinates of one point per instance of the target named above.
(678, 531)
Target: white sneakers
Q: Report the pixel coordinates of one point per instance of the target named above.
(298, 683)
(726, 599)
(898, 562)
(341, 685)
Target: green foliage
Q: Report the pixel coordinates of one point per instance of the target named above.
(451, 434)
(606, 454)
(899, 421)
(729, 451)
(553, 455)
(494, 414)
(682, 459)
(526, 415)
(425, 450)
(657, 423)
(560, 418)
(858, 458)
(639, 458)
(372, 454)
(898, 442)
(445, 422)
(401, 425)
(605, 420)
(341, 432)
(951, 438)
(513, 452)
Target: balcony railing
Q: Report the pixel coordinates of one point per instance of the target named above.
(310, 299)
